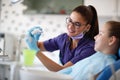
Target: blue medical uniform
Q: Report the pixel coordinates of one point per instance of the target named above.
(62, 42)
(86, 68)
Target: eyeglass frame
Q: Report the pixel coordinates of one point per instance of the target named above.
(77, 25)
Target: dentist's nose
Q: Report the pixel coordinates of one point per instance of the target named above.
(71, 27)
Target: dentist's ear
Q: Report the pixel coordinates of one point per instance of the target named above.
(88, 27)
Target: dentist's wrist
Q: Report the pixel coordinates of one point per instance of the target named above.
(37, 51)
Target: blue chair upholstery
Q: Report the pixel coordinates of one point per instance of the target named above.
(107, 72)
(119, 52)
(116, 75)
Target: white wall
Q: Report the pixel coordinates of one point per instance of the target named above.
(106, 9)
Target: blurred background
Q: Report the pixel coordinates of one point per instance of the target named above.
(17, 16)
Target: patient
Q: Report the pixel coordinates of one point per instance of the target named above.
(107, 43)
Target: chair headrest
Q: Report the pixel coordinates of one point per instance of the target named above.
(119, 52)
(116, 76)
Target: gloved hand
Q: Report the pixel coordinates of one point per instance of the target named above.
(35, 32)
(33, 37)
(32, 43)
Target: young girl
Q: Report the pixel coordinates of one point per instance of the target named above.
(107, 43)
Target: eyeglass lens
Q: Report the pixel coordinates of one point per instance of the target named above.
(76, 24)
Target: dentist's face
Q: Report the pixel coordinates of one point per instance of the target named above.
(102, 39)
(75, 24)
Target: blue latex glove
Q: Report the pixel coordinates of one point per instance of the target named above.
(32, 43)
(33, 37)
(35, 32)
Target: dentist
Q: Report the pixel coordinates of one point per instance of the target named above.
(75, 45)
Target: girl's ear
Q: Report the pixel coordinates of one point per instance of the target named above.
(112, 40)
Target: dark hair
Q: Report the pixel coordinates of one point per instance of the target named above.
(114, 30)
(90, 16)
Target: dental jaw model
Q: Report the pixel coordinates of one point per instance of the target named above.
(36, 31)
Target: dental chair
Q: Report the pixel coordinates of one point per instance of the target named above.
(116, 76)
(111, 72)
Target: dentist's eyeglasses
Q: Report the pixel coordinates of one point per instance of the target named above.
(75, 24)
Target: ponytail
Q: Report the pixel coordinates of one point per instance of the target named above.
(94, 23)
